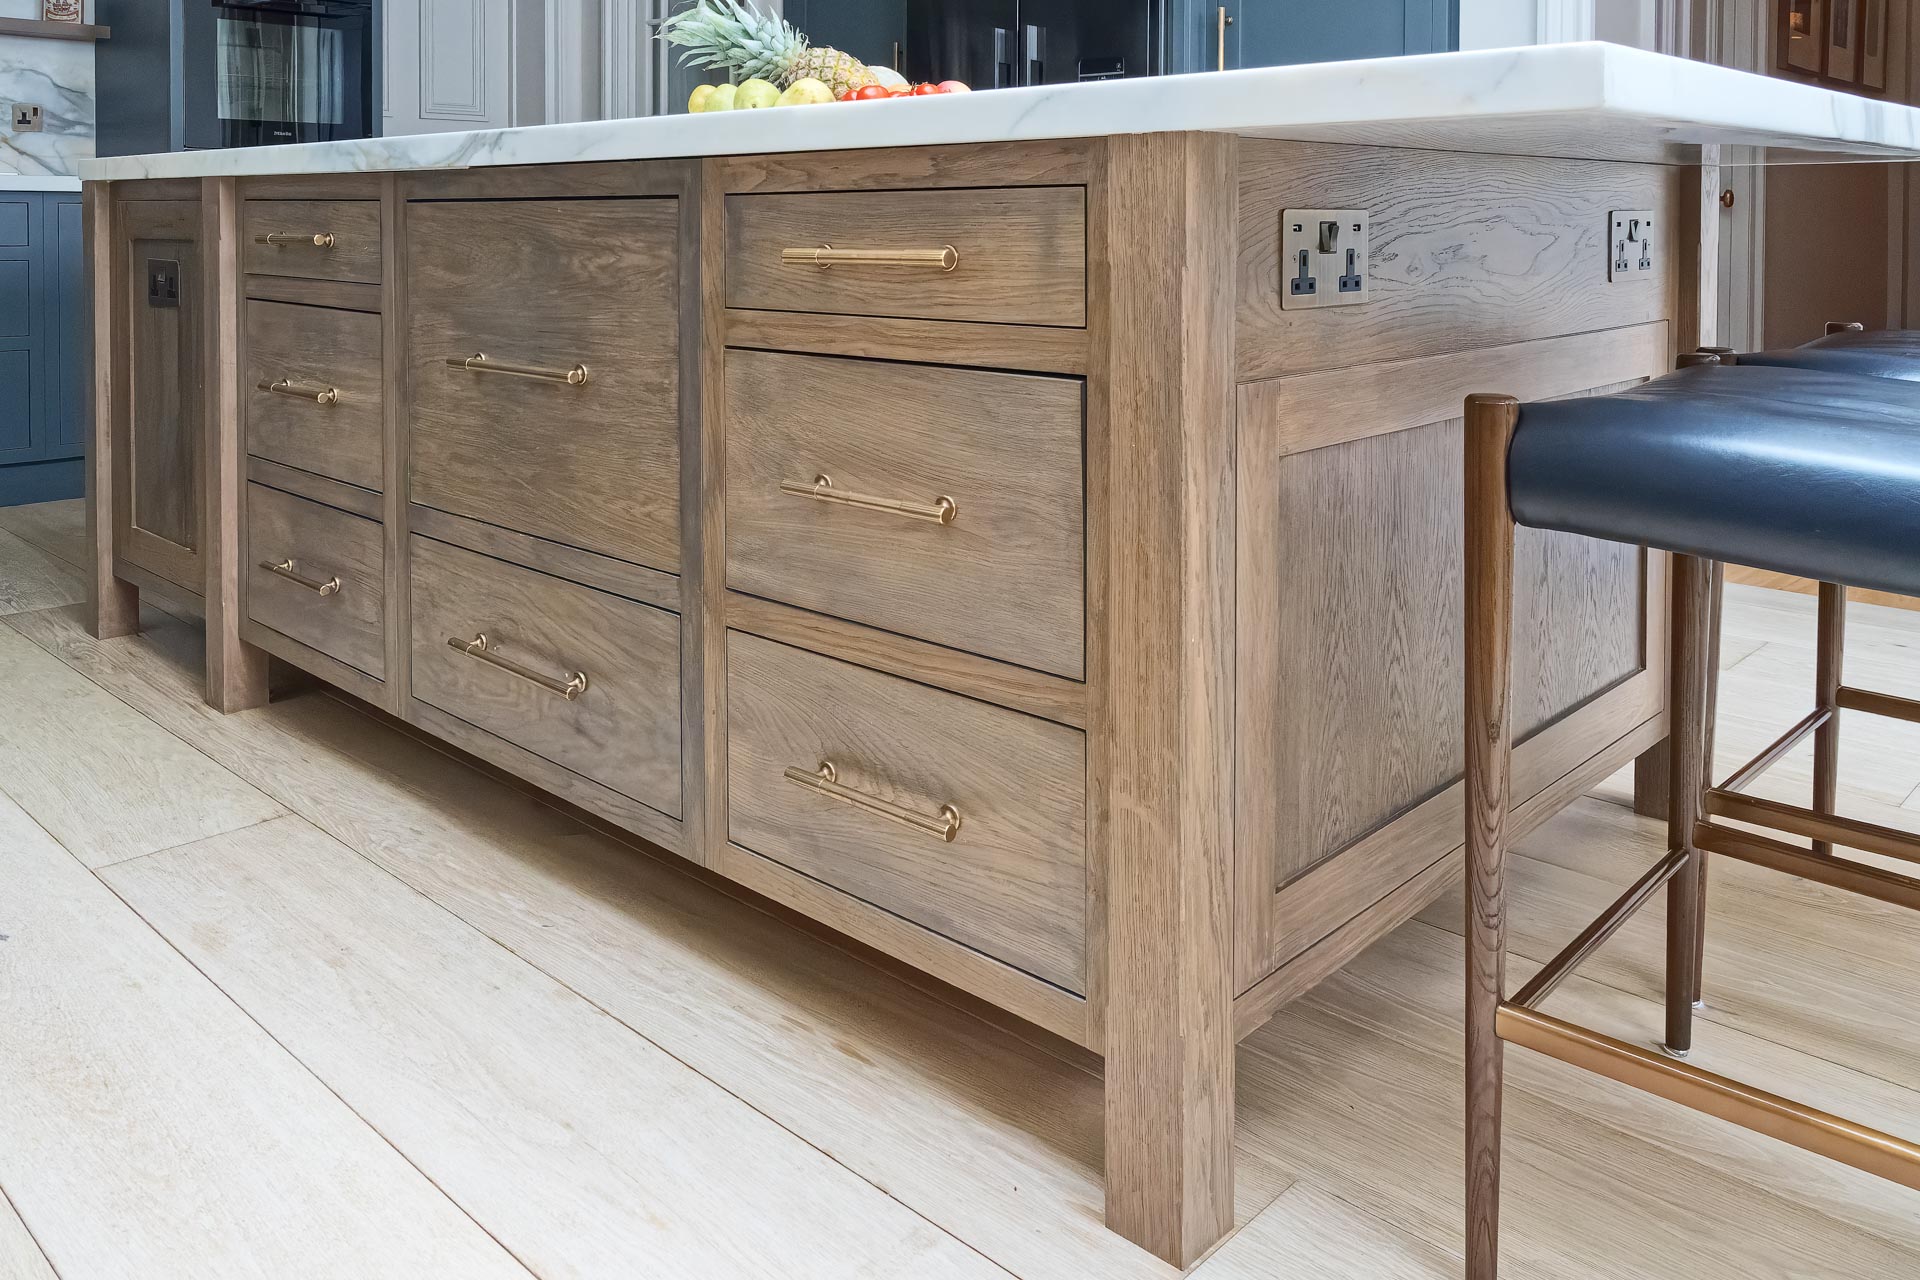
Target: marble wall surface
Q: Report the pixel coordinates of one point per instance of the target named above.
(58, 75)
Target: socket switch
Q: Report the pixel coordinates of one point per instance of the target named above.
(26, 117)
(1633, 245)
(1323, 257)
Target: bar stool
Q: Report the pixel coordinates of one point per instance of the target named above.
(1799, 470)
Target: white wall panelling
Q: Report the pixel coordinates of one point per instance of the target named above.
(449, 65)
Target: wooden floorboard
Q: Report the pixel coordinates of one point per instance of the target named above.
(35, 579)
(20, 1255)
(57, 528)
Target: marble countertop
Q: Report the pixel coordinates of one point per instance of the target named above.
(1586, 100)
(37, 182)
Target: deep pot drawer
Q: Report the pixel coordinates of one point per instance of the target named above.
(313, 239)
(318, 575)
(313, 390)
(965, 818)
(1015, 255)
(950, 509)
(588, 680)
(544, 356)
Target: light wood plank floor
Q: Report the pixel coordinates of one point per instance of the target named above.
(288, 994)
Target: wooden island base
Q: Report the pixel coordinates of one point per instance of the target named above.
(1078, 623)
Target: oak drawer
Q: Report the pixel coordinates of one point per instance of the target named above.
(1020, 254)
(1005, 578)
(313, 390)
(549, 286)
(1011, 882)
(622, 726)
(347, 234)
(329, 590)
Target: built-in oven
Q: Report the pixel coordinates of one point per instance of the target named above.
(292, 70)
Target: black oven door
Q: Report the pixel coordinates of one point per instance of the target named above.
(292, 70)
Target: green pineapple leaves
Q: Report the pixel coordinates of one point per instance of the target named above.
(735, 36)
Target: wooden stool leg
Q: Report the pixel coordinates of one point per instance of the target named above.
(1489, 740)
(1829, 652)
(1692, 612)
(1716, 611)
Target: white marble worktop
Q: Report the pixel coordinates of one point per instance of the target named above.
(1587, 100)
(37, 182)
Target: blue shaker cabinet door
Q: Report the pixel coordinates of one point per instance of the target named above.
(21, 326)
(1272, 33)
(68, 322)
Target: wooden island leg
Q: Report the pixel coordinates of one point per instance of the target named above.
(1161, 477)
(113, 606)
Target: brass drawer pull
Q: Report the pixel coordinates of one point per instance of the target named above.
(285, 568)
(301, 391)
(478, 363)
(317, 240)
(482, 648)
(946, 257)
(942, 510)
(826, 781)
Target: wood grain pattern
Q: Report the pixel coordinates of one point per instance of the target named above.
(594, 466)
(623, 731)
(588, 568)
(396, 397)
(353, 224)
(20, 1255)
(703, 511)
(314, 346)
(323, 544)
(311, 186)
(113, 605)
(1011, 884)
(342, 295)
(318, 488)
(1467, 251)
(1001, 164)
(1033, 348)
(1022, 254)
(1005, 579)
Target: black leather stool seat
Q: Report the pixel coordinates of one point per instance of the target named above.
(1810, 473)
(1883, 353)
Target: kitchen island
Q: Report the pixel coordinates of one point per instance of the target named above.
(1019, 531)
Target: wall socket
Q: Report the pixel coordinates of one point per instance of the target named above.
(26, 117)
(1323, 257)
(1633, 247)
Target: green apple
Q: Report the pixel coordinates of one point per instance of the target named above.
(721, 99)
(756, 93)
(805, 92)
(697, 100)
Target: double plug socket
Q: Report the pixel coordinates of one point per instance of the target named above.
(1633, 245)
(1323, 257)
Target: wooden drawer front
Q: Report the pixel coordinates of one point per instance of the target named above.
(325, 416)
(326, 546)
(550, 284)
(1012, 883)
(352, 225)
(1022, 254)
(1006, 578)
(623, 728)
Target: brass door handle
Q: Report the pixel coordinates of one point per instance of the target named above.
(942, 510)
(482, 648)
(946, 257)
(301, 391)
(278, 239)
(825, 781)
(478, 363)
(285, 568)
(1221, 39)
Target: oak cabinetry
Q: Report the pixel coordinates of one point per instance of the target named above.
(317, 575)
(312, 382)
(314, 239)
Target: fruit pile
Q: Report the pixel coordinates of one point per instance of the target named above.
(772, 65)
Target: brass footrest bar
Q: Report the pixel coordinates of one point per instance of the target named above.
(946, 257)
(316, 239)
(478, 363)
(826, 781)
(1889, 842)
(942, 510)
(1839, 873)
(1866, 1149)
(482, 648)
(1595, 935)
(1779, 747)
(301, 391)
(1880, 704)
(285, 568)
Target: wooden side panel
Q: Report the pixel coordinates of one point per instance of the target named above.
(114, 604)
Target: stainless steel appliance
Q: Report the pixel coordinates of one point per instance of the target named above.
(996, 44)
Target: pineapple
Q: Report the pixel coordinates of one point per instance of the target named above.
(736, 35)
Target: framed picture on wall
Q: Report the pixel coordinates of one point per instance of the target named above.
(1803, 36)
(1873, 44)
(1843, 40)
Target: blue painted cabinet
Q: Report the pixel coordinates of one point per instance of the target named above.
(43, 343)
(1274, 33)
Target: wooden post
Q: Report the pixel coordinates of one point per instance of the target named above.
(1488, 724)
(113, 606)
(236, 670)
(1692, 615)
(1829, 654)
(1160, 573)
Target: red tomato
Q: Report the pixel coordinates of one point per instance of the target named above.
(922, 90)
(845, 95)
(868, 92)
(899, 93)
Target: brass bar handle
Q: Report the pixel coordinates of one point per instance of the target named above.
(278, 239)
(825, 781)
(942, 510)
(946, 257)
(301, 391)
(482, 648)
(479, 363)
(286, 569)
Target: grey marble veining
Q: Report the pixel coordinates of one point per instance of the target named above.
(58, 75)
